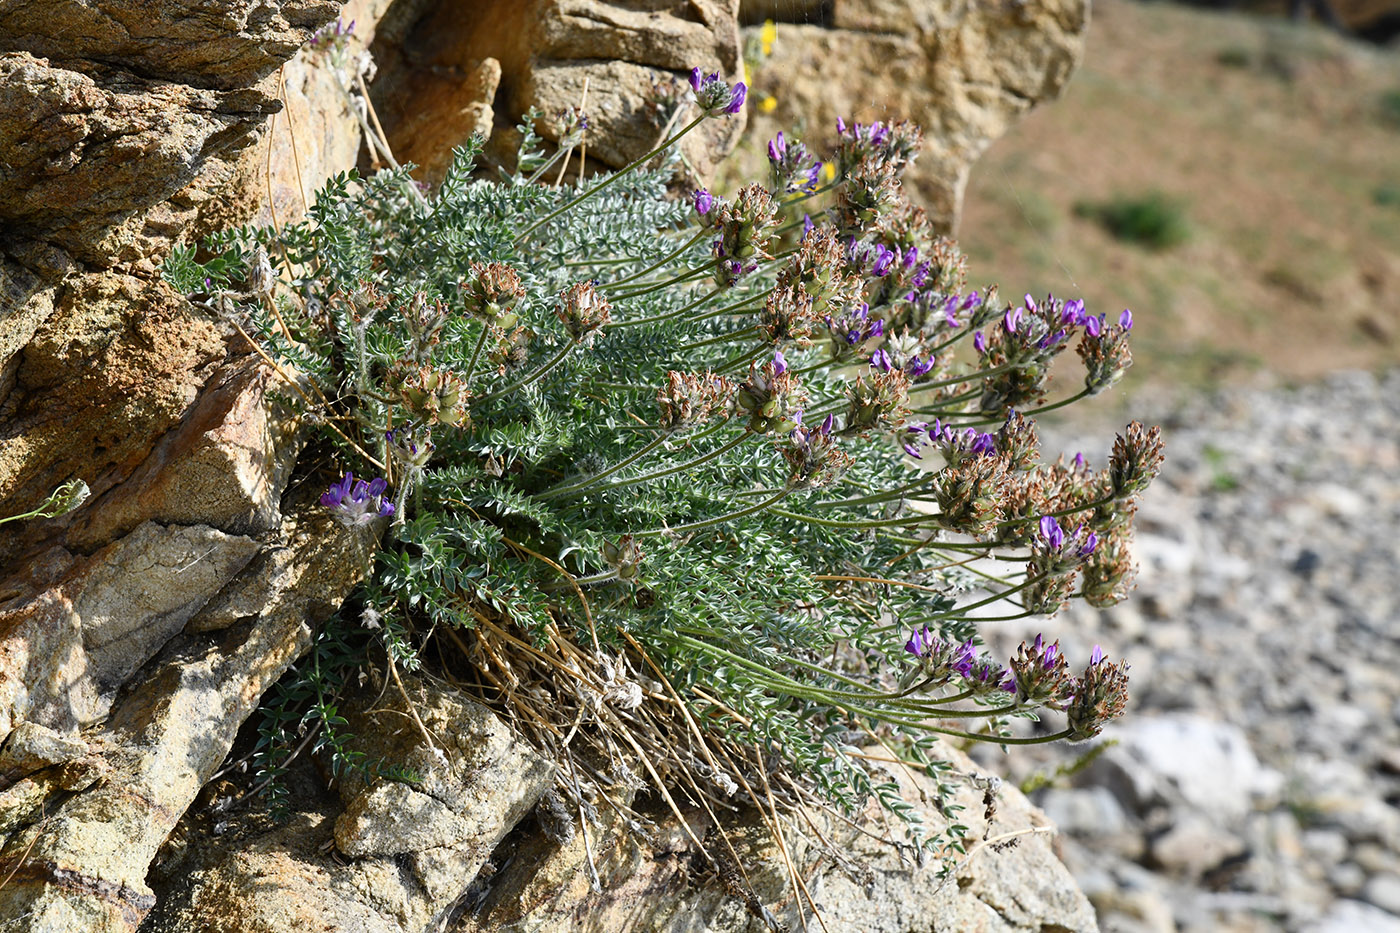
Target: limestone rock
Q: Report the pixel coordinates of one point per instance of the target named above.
(546, 886)
(431, 57)
(81, 859)
(964, 72)
(224, 43)
(473, 790)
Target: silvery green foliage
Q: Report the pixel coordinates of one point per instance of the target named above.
(709, 424)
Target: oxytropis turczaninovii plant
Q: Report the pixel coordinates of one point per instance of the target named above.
(703, 494)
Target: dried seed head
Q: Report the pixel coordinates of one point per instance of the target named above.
(690, 399)
(583, 312)
(1100, 695)
(436, 396)
(970, 495)
(491, 293)
(1136, 460)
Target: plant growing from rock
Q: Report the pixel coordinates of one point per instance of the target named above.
(700, 494)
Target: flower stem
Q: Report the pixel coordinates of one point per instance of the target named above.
(660, 262)
(531, 377)
(476, 354)
(625, 170)
(698, 461)
(717, 520)
(622, 465)
(656, 318)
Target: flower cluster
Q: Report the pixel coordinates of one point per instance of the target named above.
(745, 227)
(714, 95)
(690, 399)
(789, 168)
(770, 396)
(356, 502)
(583, 312)
(812, 456)
(491, 293)
(432, 396)
(940, 659)
(955, 445)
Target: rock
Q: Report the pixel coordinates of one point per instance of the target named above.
(964, 72)
(1207, 765)
(407, 853)
(88, 155)
(546, 886)
(219, 44)
(80, 858)
(436, 83)
(1193, 846)
(30, 747)
(1383, 891)
(1346, 916)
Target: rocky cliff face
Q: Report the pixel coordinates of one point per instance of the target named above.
(138, 633)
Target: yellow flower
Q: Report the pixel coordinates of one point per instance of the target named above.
(828, 171)
(768, 36)
(768, 104)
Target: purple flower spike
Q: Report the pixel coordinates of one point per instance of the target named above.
(1091, 541)
(807, 224)
(777, 146)
(1011, 319)
(827, 425)
(1093, 326)
(780, 363)
(736, 103)
(1079, 461)
(1052, 533)
(878, 328)
(881, 361)
(913, 450)
(356, 502)
(1125, 320)
(919, 644)
(1096, 658)
(840, 125)
(695, 80)
(703, 201)
(979, 342)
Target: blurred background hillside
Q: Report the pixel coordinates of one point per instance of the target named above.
(1234, 176)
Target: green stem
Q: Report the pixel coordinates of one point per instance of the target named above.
(722, 338)
(661, 262)
(531, 377)
(650, 287)
(717, 520)
(476, 354)
(669, 314)
(625, 170)
(689, 464)
(622, 465)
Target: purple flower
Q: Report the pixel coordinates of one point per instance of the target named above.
(1093, 326)
(979, 342)
(1079, 461)
(911, 256)
(884, 260)
(922, 640)
(736, 102)
(780, 363)
(1125, 320)
(915, 367)
(1091, 541)
(703, 201)
(714, 95)
(1096, 658)
(807, 224)
(777, 147)
(1012, 318)
(356, 502)
(881, 361)
(1073, 313)
(825, 429)
(1052, 533)
(877, 329)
